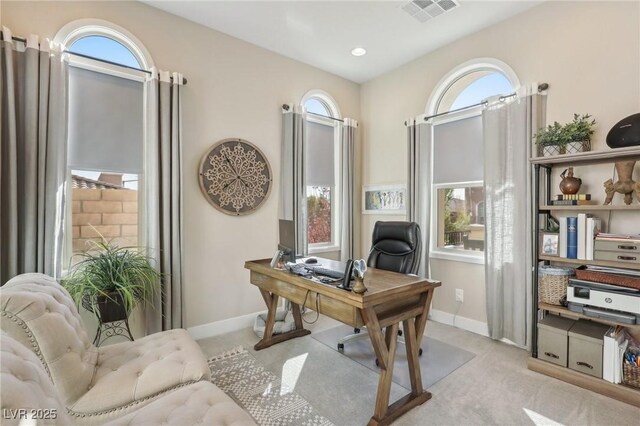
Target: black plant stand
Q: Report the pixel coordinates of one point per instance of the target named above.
(110, 329)
(113, 319)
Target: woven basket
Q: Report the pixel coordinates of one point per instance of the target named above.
(552, 283)
(631, 375)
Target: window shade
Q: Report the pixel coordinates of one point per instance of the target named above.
(458, 151)
(105, 122)
(320, 155)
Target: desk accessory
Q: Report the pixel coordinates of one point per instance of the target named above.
(348, 273)
(360, 266)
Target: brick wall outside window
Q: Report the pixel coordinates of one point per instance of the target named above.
(111, 212)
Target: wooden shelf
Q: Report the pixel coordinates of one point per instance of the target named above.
(568, 313)
(591, 157)
(610, 264)
(622, 393)
(593, 207)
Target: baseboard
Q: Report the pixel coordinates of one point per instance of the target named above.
(468, 324)
(224, 326)
(238, 323)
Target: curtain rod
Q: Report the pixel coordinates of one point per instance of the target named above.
(105, 61)
(287, 107)
(541, 87)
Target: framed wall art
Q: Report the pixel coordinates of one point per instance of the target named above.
(384, 199)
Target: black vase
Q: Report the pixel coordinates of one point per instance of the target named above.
(625, 133)
(111, 308)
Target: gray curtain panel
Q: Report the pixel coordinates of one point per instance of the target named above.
(419, 135)
(347, 187)
(33, 157)
(162, 210)
(293, 186)
(508, 129)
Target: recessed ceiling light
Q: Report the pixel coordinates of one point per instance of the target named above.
(358, 51)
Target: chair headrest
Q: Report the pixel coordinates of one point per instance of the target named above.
(407, 232)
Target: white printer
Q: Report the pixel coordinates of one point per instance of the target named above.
(604, 301)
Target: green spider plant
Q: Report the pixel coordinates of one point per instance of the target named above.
(108, 268)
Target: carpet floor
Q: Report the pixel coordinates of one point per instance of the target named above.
(438, 360)
(494, 388)
(270, 400)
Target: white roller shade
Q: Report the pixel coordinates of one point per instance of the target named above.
(320, 155)
(105, 122)
(458, 151)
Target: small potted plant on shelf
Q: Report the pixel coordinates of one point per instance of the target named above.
(578, 133)
(570, 138)
(551, 139)
(110, 280)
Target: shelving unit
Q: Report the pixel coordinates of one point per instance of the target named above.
(545, 164)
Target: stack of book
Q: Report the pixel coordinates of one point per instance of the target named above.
(572, 200)
(615, 346)
(577, 234)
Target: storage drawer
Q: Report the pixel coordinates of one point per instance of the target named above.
(553, 339)
(631, 246)
(617, 256)
(585, 347)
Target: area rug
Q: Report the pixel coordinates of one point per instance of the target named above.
(260, 392)
(438, 359)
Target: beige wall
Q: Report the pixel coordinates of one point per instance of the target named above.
(234, 89)
(588, 52)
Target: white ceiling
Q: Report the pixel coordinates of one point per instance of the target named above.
(322, 33)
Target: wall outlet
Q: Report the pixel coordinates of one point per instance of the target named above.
(459, 295)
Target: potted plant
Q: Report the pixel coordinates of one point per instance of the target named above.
(551, 139)
(572, 137)
(579, 132)
(110, 280)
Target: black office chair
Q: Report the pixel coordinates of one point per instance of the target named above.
(395, 246)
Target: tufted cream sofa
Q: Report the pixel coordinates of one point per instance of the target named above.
(161, 377)
(27, 390)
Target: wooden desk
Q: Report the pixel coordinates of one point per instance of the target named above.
(391, 298)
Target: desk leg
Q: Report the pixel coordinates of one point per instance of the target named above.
(269, 339)
(385, 348)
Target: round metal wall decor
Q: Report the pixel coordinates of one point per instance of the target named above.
(235, 176)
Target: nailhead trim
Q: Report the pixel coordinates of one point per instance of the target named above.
(124, 407)
(36, 350)
(34, 343)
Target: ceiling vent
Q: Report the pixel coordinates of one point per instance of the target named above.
(424, 10)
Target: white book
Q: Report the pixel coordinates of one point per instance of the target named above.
(622, 347)
(612, 340)
(594, 227)
(582, 235)
(562, 237)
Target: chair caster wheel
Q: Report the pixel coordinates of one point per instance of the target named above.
(341, 346)
(420, 352)
(377, 363)
(356, 330)
(399, 332)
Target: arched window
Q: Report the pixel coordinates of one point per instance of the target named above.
(458, 174)
(106, 48)
(106, 133)
(471, 83)
(322, 170)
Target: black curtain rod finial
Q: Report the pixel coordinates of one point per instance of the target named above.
(286, 107)
(542, 87)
